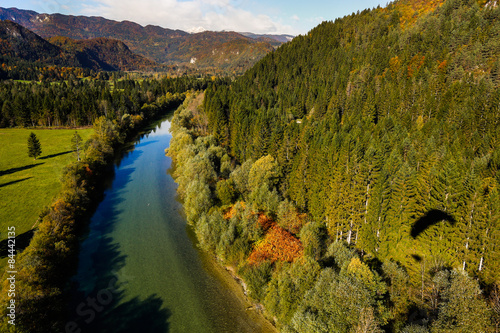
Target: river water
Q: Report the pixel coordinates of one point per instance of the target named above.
(140, 269)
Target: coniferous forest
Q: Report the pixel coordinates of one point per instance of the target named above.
(76, 102)
(352, 175)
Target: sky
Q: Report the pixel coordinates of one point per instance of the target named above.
(257, 16)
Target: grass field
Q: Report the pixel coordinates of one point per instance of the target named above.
(26, 185)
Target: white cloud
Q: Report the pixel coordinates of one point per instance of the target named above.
(186, 15)
(296, 18)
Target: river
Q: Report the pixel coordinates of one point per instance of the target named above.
(140, 269)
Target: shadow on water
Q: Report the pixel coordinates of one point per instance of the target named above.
(14, 181)
(103, 309)
(98, 299)
(55, 155)
(129, 154)
(128, 158)
(14, 170)
(144, 144)
(429, 219)
(136, 316)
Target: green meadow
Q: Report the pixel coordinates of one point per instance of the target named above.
(28, 185)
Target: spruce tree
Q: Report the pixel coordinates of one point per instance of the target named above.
(34, 147)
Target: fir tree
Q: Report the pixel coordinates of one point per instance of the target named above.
(34, 147)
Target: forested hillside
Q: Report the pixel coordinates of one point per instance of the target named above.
(104, 54)
(379, 131)
(20, 43)
(374, 126)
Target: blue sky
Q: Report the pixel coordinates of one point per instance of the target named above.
(259, 16)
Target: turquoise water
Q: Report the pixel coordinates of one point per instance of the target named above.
(139, 267)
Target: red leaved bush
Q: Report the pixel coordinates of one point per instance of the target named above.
(278, 244)
(265, 222)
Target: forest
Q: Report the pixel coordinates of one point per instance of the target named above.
(352, 175)
(77, 102)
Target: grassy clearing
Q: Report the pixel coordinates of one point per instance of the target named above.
(26, 185)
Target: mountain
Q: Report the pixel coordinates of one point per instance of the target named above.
(18, 43)
(238, 54)
(376, 97)
(219, 49)
(19, 16)
(162, 45)
(103, 53)
(275, 40)
(150, 41)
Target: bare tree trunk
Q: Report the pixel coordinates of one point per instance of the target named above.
(366, 202)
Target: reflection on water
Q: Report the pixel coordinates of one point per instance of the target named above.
(163, 129)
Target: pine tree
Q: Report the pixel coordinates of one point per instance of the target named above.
(34, 147)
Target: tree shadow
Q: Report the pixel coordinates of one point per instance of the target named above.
(14, 170)
(430, 218)
(127, 158)
(22, 241)
(55, 155)
(417, 257)
(418, 316)
(14, 181)
(375, 264)
(135, 315)
(143, 144)
(103, 308)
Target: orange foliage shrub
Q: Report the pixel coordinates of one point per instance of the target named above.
(277, 245)
(265, 222)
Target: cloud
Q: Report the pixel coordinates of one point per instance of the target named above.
(296, 18)
(185, 15)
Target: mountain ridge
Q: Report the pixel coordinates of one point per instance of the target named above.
(162, 45)
(18, 43)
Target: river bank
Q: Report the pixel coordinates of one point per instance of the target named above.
(42, 269)
(140, 251)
